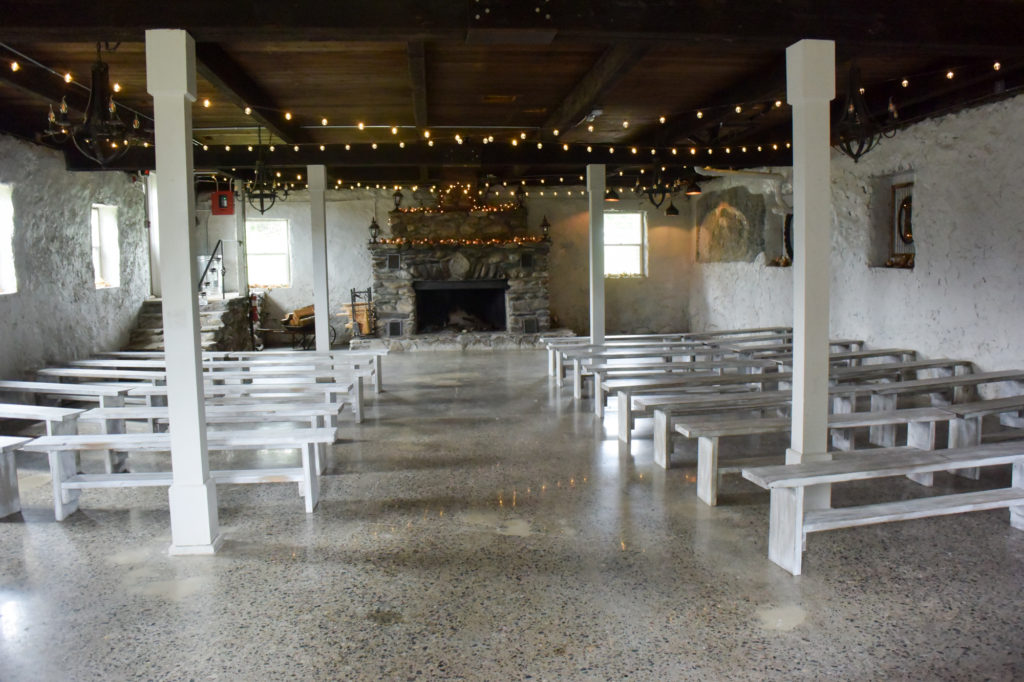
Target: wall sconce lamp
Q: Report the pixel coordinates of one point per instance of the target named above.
(545, 228)
(374, 231)
(398, 196)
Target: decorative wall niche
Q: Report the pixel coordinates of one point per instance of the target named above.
(891, 209)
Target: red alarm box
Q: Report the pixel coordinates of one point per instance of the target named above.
(223, 202)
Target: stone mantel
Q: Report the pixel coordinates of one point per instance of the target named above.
(449, 247)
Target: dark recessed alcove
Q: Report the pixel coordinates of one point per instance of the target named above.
(464, 305)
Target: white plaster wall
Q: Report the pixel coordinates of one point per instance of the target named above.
(965, 296)
(651, 304)
(348, 260)
(57, 313)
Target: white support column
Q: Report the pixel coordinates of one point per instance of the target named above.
(595, 199)
(810, 79)
(242, 264)
(171, 80)
(317, 180)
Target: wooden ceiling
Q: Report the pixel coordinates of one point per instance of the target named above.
(665, 78)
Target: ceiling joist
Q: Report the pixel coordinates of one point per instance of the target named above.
(216, 66)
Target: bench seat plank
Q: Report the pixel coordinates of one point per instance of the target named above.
(165, 478)
(905, 510)
(866, 464)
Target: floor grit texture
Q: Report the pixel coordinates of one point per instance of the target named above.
(478, 526)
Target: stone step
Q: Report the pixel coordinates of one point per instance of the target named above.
(207, 319)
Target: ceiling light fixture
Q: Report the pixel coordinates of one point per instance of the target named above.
(101, 136)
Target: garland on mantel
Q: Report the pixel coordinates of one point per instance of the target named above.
(516, 241)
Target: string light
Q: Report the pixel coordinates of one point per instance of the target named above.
(739, 109)
(206, 102)
(348, 147)
(15, 66)
(67, 77)
(905, 83)
(250, 147)
(565, 147)
(555, 131)
(996, 66)
(949, 75)
(227, 147)
(296, 148)
(287, 115)
(117, 86)
(778, 104)
(360, 125)
(522, 136)
(323, 121)
(206, 147)
(394, 130)
(401, 145)
(322, 148)
(625, 124)
(248, 110)
(661, 119)
(700, 114)
(373, 146)
(426, 134)
(590, 128)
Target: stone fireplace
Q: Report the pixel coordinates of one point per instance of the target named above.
(462, 271)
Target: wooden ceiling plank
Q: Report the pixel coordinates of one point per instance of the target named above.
(215, 65)
(612, 65)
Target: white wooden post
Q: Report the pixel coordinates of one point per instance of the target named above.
(242, 264)
(595, 199)
(810, 78)
(317, 180)
(171, 80)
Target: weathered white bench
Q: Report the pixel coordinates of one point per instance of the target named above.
(791, 521)
(326, 392)
(10, 501)
(920, 423)
(102, 374)
(965, 429)
(319, 415)
(67, 485)
(58, 421)
(604, 370)
(681, 384)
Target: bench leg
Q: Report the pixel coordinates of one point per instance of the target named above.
(625, 430)
(599, 398)
(551, 362)
(10, 500)
(883, 436)
(662, 439)
(1017, 481)
(62, 467)
(357, 400)
(113, 462)
(707, 470)
(310, 481)
(921, 435)
(786, 528)
(842, 439)
(965, 433)
(577, 379)
(378, 380)
(559, 369)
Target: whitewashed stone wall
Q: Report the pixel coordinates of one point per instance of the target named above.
(57, 313)
(965, 296)
(656, 303)
(348, 260)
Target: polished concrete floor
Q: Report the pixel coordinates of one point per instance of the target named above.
(480, 527)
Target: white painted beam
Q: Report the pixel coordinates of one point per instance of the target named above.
(171, 80)
(810, 80)
(317, 181)
(242, 265)
(595, 201)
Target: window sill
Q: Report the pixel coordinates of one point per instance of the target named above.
(625, 276)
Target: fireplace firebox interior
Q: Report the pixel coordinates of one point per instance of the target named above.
(474, 305)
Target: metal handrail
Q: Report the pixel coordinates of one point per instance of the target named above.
(213, 256)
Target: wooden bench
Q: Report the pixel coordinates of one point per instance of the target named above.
(625, 389)
(10, 500)
(638, 370)
(67, 485)
(263, 392)
(791, 521)
(58, 421)
(920, 424)
(965, 429)
(319, 415)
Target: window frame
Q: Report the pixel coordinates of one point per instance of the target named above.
(105, 237)
(642, 245)
(8, 267)
(286, 254)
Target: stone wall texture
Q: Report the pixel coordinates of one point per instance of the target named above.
(965, 295)
(57, 313)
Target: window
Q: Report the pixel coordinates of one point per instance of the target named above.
(268, 254)
(106, 254)
(8, 279)
(625, 245)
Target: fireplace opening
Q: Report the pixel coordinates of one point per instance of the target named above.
(461, 305)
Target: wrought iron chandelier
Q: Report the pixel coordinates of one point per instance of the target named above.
(101, 136)
(261, 192)
(857, 131)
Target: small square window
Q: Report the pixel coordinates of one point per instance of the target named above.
(625, 244)
(268, 253)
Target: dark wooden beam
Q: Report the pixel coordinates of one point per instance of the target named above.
(612, 65)
(418, 80)
(238, 87)
(941, 27)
